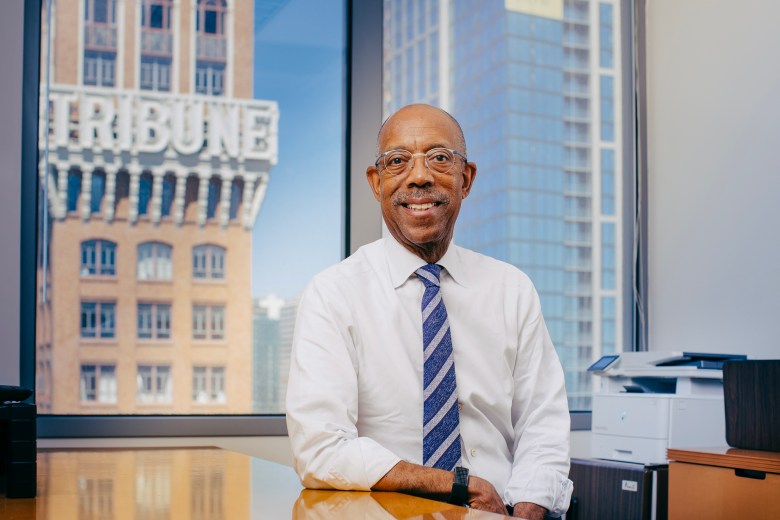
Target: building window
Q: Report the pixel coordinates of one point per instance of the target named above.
(155, 73)
(100, 43)
(98, 320)
(236, 195)
(154, 261)
(607, 108)
(168, 191)
(156, 14)
(98, 258)
(607, 182)
(211, 17)
(98, 383)
(74, 190)
(99, 68)
(154, 384)
(211, 47)
(210, 78)
(212, 199)
(97, 192)
(156, 45)
(605, 35)
(145, 183)
(208, 261)
(154, 321)
(608, 267)
(208, 321)
(608, 320)
(208, 384)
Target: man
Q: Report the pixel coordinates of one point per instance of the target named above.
(414, 356)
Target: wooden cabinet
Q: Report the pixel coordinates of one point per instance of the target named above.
(723, 483)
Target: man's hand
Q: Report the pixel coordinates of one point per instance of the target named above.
(414, 479)
(529, 511)
(482, 495)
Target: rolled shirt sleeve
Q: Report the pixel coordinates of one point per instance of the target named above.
(322, 399)
(540, 415)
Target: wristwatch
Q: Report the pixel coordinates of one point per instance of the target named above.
(460, 487)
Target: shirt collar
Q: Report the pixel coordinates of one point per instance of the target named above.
(402, 263)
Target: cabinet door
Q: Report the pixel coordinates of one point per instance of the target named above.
(698, 491)
(604, 489)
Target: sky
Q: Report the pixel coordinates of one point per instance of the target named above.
(299, 62)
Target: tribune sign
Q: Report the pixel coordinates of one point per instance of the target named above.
(141, 122)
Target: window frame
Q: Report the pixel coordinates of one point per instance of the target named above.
(100, 314)
(362, 222)
(208, 254)
(99, 369)
(157, 263)
(156, 333)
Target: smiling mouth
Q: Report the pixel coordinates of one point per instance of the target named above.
(421, 207)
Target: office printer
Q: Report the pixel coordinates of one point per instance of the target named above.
(651, 401)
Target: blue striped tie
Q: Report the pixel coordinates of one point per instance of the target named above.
(441, 435)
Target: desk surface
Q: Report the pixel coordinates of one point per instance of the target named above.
(198, 483)
(728, 457)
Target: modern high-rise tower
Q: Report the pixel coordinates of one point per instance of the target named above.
(535, 85)
(154, 164)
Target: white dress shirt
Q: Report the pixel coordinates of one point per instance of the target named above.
(355, 394)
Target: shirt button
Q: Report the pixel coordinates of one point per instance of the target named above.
(473, 452)
(460, 406)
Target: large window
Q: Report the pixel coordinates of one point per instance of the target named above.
(536, 87)
(175, 170)
(177, 145)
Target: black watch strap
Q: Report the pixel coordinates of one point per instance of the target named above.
(460, 487)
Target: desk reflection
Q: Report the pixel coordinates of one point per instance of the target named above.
(326, 505)
(143, 484)
(200, 484)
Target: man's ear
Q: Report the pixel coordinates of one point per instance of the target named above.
(469, 173)
(372, 176)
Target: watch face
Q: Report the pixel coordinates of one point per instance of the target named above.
(460, 490)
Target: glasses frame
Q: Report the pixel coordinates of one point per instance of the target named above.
(383, 155)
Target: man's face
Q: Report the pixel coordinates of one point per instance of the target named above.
(420, 207)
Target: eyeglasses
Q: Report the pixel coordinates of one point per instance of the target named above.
(396, 162)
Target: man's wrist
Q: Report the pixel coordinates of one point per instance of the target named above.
(460, 486)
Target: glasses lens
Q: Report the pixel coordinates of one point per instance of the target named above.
(397, 161)
(440, 160)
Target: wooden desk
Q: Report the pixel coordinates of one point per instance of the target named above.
(723, 483)
(198, 483)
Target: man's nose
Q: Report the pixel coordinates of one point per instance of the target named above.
(419, 174)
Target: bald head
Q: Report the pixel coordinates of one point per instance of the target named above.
(432, 116)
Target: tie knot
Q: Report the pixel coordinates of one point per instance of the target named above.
(429, 274)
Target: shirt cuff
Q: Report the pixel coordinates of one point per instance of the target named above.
(359, 465)
(543, 486)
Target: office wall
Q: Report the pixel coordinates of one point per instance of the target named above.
(11, 16)
(713, 100)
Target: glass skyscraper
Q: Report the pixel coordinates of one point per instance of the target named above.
(535, 86)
